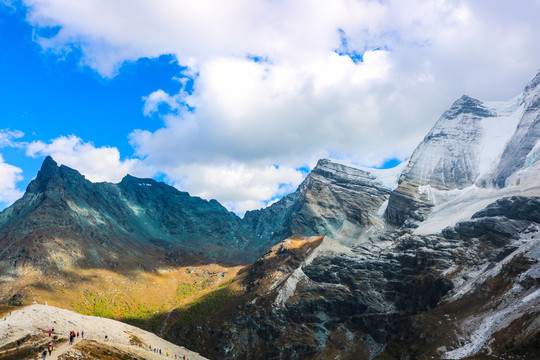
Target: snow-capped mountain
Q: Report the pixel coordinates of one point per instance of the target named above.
(436, 258)
(477, 143)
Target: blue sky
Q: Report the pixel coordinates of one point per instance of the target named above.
(46, 97)
(177, 91)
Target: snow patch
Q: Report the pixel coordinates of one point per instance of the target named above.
(453, 206)
(388, 178)
(497, 131)
(382, 209)
(488, 326)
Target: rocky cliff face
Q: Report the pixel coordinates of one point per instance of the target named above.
(457, 275)
(336, 200)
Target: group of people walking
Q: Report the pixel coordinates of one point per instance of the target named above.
(73, 335)
(158, 351)
(49, 348)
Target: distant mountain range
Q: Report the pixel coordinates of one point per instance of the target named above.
(437, 258)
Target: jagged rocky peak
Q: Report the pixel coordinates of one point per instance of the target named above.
(336, 170)
(51, 175)
(533, 85)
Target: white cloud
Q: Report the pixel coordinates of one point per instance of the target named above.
(303, 100)
(95, 163)
(8, 138)
(9, 177)
(152, 102)
(236, 186)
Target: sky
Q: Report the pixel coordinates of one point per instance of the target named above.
(237, 100)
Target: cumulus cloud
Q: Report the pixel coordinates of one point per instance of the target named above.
(287, 82)
(95, 163)
(9, 177)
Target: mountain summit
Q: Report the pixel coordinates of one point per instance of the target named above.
(482, 143)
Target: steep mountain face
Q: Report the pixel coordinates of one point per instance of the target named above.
(523, 148)
(100, 223)
(476, 142)
(336, 200)
(104, 222)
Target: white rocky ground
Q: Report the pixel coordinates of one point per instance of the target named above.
(36, 319)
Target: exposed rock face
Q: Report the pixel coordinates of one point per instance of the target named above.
(334, 200)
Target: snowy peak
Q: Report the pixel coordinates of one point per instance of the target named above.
(468, 105)
(483, 143)
(447, 157)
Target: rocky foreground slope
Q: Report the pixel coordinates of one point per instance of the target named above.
(30, 326)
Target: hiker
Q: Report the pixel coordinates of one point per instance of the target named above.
(52, 345)
(82, 334)
(50, 350)
(50, 332)
(44, 353)
(77, 334)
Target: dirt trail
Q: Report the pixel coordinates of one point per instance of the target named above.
(59, 350)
